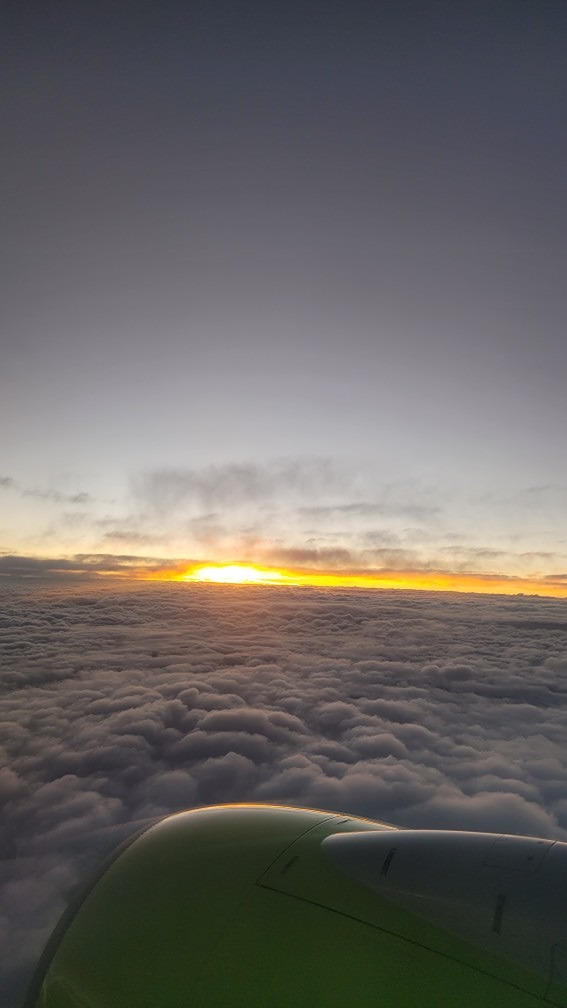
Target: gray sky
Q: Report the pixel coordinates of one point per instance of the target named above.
(324, 239)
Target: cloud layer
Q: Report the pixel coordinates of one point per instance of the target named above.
(119, 705)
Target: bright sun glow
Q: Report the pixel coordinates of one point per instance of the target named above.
(247, 574)
(234, 574)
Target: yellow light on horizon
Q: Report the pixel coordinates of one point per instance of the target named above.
(234, 574)
(416, 580)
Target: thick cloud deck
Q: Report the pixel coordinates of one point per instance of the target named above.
(122, 704)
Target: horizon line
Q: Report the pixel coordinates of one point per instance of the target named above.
(246, 573)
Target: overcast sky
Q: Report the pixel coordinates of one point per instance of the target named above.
(417, 708)
(325, 238)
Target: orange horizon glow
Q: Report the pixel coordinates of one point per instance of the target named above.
(249, 574)
(245, 574)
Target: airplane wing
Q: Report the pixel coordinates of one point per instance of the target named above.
(271, 906)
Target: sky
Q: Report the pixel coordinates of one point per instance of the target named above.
(284, 285)
(422, 709)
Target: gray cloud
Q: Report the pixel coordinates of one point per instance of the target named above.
(128, 536)
(320, 489)
(215, 487)
(322, 557)
(29, 566)
(393, 503)
(45, 494)
(133, 700)
(82, 564)
(57, 497)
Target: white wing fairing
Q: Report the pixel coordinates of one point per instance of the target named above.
(506, 894)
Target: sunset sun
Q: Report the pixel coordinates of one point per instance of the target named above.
(234, 574)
